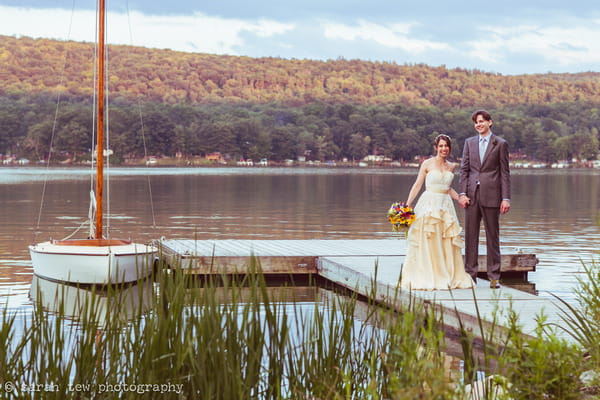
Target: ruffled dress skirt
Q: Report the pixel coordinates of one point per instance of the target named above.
(434, 258)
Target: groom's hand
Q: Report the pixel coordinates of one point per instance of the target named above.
(464, 201)
(504, 206)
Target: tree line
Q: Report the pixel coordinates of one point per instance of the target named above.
(165, 103)
(164, 76)
(317, 130)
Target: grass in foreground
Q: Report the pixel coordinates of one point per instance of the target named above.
(179, 338)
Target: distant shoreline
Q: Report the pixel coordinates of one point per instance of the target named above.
(170, 162)
(140, 169)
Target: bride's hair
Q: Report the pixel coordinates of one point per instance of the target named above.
(445, 138)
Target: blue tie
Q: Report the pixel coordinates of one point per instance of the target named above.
(482, 143)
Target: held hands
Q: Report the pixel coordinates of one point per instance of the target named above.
(464, 202)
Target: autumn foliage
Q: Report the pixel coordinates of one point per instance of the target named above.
(171, 103)
(38, 65)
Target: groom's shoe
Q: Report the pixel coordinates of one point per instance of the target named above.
(494, 284)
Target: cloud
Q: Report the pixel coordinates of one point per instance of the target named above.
(555, 45)
(395, 36)
(48, 23)
(199, 32)
(538, 40)
(192, 33)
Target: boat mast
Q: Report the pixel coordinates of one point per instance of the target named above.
(100, 119)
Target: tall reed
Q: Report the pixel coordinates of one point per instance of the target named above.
(177, 337)
(217, 340)
(543, 365)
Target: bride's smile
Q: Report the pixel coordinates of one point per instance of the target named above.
(443, 149)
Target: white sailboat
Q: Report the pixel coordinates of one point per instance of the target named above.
(96, 260)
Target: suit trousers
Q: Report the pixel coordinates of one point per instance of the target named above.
(474, 213)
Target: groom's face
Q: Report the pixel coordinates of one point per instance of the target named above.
(482, 125)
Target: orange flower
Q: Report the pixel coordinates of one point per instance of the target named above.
(400, 216)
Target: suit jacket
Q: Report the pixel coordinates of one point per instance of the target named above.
(493, 175)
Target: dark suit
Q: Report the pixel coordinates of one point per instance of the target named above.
(486, 184)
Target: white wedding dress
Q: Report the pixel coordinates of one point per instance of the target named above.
(434, 258)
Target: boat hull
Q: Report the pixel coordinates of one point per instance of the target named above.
(104, 263)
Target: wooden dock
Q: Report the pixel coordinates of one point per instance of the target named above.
(361, 266)
(301, 256)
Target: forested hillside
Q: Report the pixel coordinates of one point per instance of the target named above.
(172, 77)
(194, 104)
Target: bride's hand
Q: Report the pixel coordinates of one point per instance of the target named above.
(463, 201)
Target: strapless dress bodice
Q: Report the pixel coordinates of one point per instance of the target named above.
(438, 181)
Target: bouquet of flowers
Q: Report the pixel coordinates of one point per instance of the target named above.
(400, 216)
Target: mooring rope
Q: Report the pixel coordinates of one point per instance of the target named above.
(142, 126)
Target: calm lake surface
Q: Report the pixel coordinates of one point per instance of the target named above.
(554, 213)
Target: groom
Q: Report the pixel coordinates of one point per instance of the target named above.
(484, 188)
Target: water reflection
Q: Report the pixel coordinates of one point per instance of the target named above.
(78, 302)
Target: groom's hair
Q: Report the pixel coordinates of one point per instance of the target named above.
(486, 115)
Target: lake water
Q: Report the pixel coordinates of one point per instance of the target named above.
(554, 213)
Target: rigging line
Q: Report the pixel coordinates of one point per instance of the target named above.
(139, 106)
(94, 103)
(54, 123)
(69, 236)
(92, 211)
(107, 147)
(106, 176)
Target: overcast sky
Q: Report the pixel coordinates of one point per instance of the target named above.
(504, 36)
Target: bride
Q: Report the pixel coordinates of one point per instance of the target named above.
(434, 258)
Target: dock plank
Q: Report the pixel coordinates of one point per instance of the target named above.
(364, 266)
(364, 274)
(195, 252)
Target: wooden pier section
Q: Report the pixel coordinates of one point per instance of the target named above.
(302, 256)
(363, 266)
